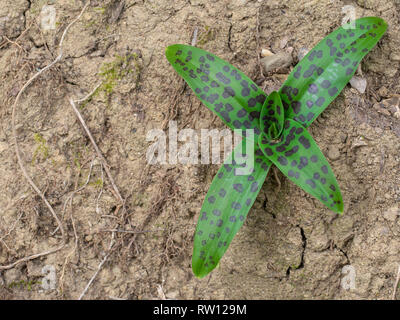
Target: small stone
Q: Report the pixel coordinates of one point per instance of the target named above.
(381, 108)
(358, 83)
(289, 50)
(302, 53)
(177, 237)
(383, 92)
(48, 18)
(392, 104)
(395, 56)
(333, 152)
(266, 53)
(392, 213)
(358, 142)
(279, 60)
(283, 43)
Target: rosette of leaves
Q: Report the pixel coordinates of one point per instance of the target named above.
(279, 122)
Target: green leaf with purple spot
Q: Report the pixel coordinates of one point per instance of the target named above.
(322, 74)
(299, 158)
(224, 89)
(227, 203)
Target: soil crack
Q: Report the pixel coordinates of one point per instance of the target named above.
(24, 13)
(304, 245)
(334, 246)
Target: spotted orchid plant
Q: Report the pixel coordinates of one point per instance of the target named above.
(279, 123)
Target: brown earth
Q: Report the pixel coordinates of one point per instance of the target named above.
(290, 246)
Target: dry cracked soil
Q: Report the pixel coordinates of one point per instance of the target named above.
(290, 247)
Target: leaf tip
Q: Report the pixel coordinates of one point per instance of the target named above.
(169, 50)
(339, 208)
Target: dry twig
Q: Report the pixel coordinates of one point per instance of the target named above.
(98, 268)
(69, 199)
(99, 154)
(89, 94)
(14, 43)
(10, 230)
(110, 177)
(16, 40)
(130, 231)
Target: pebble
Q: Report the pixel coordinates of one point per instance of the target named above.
(358, 142)
(283, 43)
(389, 106)
(266, 53)
(383, 92)
(279, 60)
(394, 56)
(380, 108)
(393, 104)
(359, 83)
(289, 50)
(333, 152)
(48, 18)
(302, 53)
(177, 237)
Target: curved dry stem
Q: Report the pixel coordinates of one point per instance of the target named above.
(97, 149)
(18, 152)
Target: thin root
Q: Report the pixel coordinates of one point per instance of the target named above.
(18, 151)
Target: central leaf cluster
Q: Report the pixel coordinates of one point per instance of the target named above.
(272, 118)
